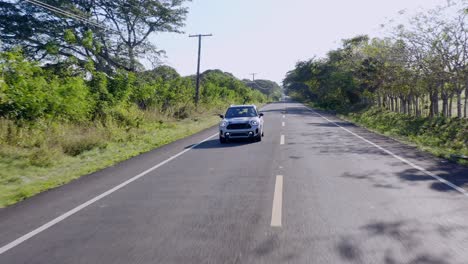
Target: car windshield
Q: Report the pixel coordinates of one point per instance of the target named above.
(241, 112)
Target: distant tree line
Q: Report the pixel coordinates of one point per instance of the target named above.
(30, 92)
(420, 70)
(268, 88)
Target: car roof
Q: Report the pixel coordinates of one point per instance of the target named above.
(243, 106)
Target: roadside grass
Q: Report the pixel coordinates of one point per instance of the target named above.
(443, 137)
(45, 155)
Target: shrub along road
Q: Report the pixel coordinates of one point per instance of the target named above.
(315, 190)
(24, 171)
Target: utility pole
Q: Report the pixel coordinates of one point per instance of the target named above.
(253, 76)
(197, 91)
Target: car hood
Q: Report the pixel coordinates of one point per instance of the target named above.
(236, 120)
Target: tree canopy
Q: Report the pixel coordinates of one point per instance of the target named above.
(267, 87)
(29, 92)
(119, 39)
(421, 64)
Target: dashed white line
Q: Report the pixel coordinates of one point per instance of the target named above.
(283, 124)
(459, 189)
(282, 140)
(284, 116)
(73, 211)
(277, 202)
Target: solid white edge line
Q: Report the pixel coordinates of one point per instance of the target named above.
(459, 189)
(277, 202)
(282, 140)
(62, 217)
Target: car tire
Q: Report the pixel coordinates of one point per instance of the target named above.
(258, 138)
(222, 140)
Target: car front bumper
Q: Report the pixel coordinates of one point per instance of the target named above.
(239, 133)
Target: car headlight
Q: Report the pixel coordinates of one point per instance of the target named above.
(254, 123)
(223, 124)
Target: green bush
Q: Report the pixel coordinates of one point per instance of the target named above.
(25, 89)
(30, 92)
(125, 115)
(72, 100)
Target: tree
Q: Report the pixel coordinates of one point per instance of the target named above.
(269, 88)
(165, 72)
(49, 36)
(423, 63)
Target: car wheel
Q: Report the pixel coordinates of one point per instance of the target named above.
(258, 138)
(222, 140)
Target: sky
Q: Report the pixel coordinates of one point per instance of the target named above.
(268, 37)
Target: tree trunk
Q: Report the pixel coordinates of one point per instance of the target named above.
(416, 106)
(427, 105)
(431, 106)
(409, 103)
(459, 103)
(131, 55)
(392, 104)
(397, 105)
(434, 100)
(466, 101)
(444, 105)
(400, 109)
(402, 105)
(445, 96)
(449, 110)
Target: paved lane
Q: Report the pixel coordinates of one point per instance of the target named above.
(348, 202)
(310, 192)
(204, 205)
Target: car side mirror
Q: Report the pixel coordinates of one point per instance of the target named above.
(222, 116)
(260, 115)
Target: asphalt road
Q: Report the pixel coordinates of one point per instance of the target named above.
(315, 190)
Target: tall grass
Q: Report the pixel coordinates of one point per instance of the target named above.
(42, 155)
(444, 137)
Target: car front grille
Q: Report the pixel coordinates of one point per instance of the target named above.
(239, 126)
(239, 135)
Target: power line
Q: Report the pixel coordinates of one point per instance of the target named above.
(61, 11)
(197, 91)
(66, 13)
